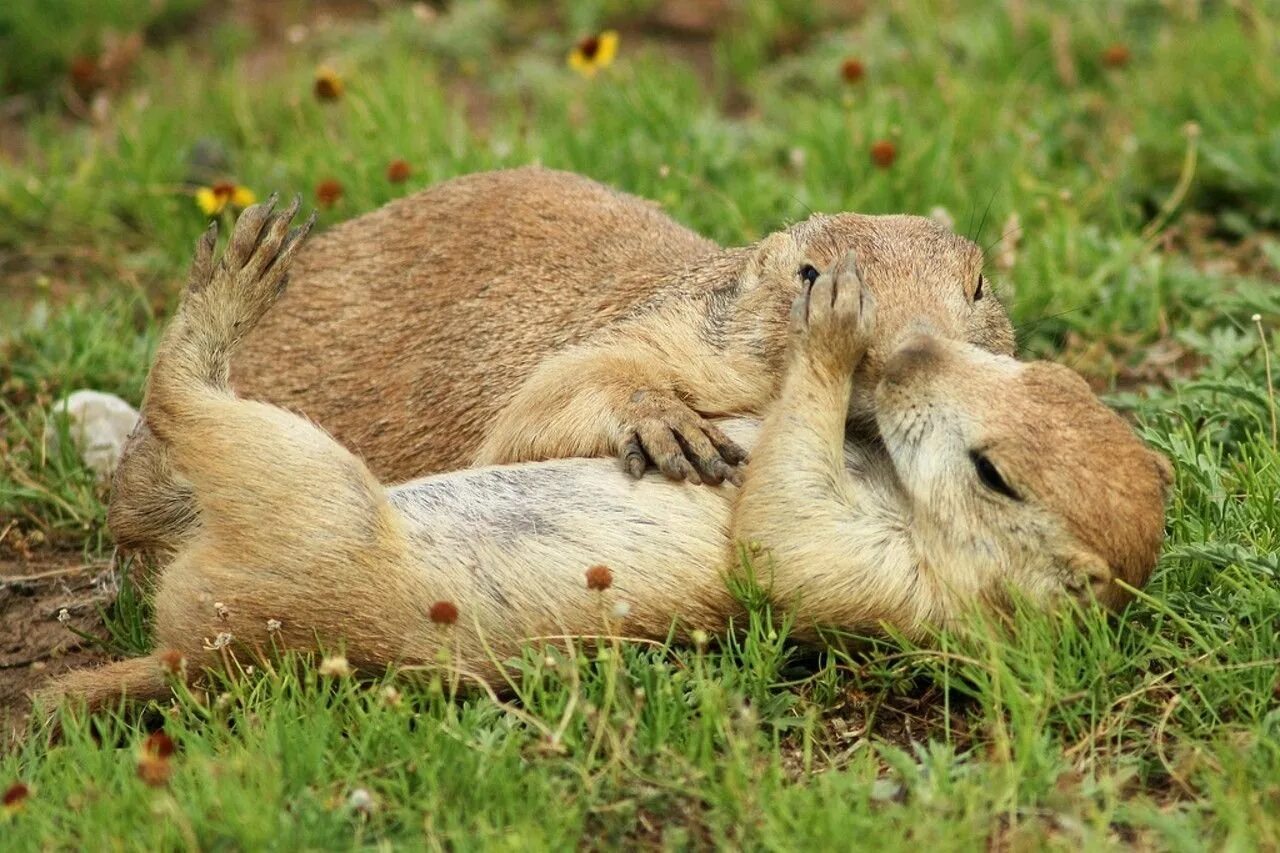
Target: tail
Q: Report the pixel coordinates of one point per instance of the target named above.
(138, 679)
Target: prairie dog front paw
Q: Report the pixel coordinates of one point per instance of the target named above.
(660, 428)
(832, 319)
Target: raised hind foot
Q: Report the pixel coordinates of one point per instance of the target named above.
(226, 299)
(222, 303)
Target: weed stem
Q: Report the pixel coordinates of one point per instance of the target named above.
(1266, 360)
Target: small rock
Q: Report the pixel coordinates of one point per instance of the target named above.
(207, 160)
(98, 425)
(888, 791)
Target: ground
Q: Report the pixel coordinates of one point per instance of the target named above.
(34, 644)
(1119, 161)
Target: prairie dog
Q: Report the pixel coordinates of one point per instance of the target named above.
(299, 544)
(534, 314)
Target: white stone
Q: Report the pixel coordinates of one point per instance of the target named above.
(98, 425)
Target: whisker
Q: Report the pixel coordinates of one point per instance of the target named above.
(1025, 331)
(1012, 229)
(983, 223)
(797, 200)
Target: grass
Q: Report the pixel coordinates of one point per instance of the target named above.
(44, 40)
(1147, 194)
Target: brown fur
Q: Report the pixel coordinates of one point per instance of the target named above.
(534, 314)
(301, 547)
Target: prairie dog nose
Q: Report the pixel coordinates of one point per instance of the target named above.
(918, 352)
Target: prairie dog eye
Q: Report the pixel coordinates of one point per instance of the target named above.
(977, 293)
(808, 274)
(990, 477)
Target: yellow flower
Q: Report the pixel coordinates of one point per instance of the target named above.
(593, 53)
(213, 200)
(328, 85)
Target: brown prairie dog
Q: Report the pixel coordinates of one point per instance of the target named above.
(299, 543)
(534, 314)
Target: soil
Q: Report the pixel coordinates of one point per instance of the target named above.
(34, 645)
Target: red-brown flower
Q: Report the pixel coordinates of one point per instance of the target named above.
(159, 744)
(15, 795)
(328, 192)
(883, 153)
(443, 613)
(172, 661)
(852, 70)
(154, 768)
(599, 578)
(84, 73)
(1116, 55)
(398, 171)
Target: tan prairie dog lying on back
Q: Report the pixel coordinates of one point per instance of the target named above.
(993, 476)
(533, 314)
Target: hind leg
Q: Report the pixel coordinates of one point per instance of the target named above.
(287, 515)
(152, 508)
(222, 302)
(268, 484)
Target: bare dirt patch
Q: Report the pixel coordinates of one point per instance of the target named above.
(34, 645)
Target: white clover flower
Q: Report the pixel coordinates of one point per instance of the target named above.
(360, 800)
(219, 642)
(335, 666)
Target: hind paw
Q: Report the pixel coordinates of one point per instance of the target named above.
(253, 269)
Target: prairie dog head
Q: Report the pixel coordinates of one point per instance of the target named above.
(1018, 476)
(925, 278)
